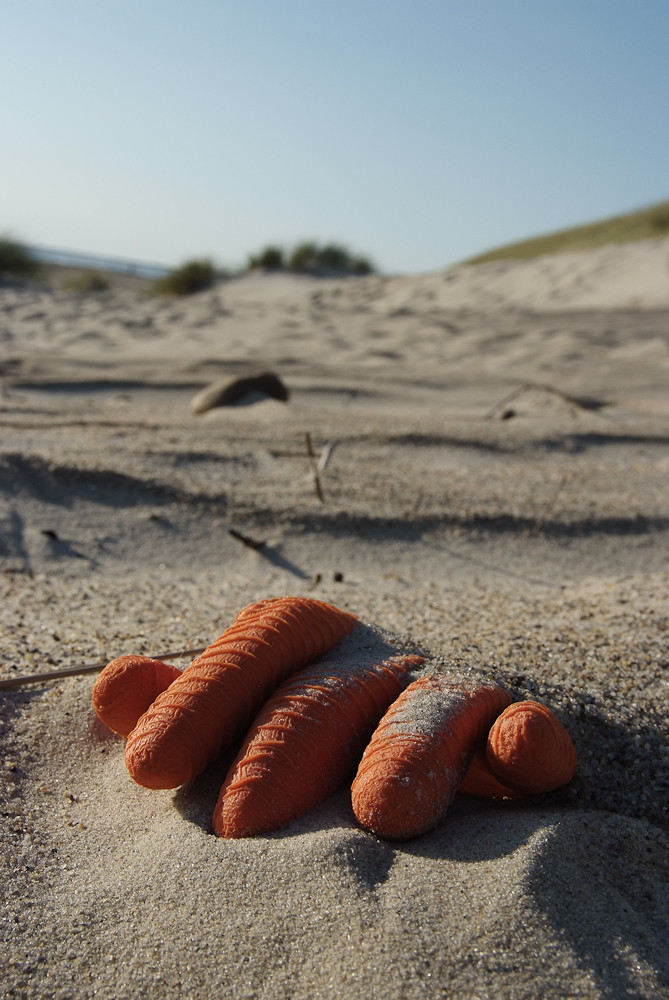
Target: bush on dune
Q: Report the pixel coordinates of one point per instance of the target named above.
(192, 276)
(303, 257)
(15, 260)
(310, 258)
(269, 259)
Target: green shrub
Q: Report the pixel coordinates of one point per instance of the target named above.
(87, 281)
(270, 259)
(16, 260)
(361, 265)
(310, 258)
(659, 219)
(304, 257)
(331, 258)
(192, 276)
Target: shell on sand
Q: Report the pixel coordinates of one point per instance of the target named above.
(231, 391)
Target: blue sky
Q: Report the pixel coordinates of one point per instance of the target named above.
(417, 132)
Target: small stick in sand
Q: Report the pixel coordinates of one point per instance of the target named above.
(326, 454)
(250, 543)
(314, 465)
(91, 668)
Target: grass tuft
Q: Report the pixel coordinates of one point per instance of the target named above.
(192, 276)
(16, 261)
(644, 224)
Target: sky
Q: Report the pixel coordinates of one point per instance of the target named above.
(416, 133)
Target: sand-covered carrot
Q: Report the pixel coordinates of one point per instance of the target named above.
(214, 699)
(126, 687)
(419, 752)
(528, 749)
(307, 740)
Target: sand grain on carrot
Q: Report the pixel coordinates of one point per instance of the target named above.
(419, 752)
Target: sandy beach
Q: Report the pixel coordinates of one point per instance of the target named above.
(475, 459)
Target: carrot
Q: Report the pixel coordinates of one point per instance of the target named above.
(126, 687)
(530, 750)
(419, 752)
(480, 781)
(308, 737)
(211, 704)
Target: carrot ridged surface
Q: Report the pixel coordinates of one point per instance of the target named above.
(419, 752)
(530, 750)
(211, 704)
(126, 687)
(307, 739)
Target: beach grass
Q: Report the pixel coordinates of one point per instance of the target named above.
(646, 223)
(16, 260)
(192, 276)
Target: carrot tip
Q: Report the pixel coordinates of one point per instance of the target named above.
(126, 687)
(530, 750)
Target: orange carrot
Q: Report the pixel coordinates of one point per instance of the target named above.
(308, 737)
(480, 781)
(530, 750)
(419, 752)
(211, 704)
(126, 687)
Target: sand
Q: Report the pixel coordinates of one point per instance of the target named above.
(488, 480)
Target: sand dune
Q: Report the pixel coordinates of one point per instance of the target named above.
(492, 486)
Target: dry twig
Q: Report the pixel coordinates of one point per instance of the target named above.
(250, 543)
(314, 466)
(91, 668)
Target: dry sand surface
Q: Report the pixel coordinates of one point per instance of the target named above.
(494, 463)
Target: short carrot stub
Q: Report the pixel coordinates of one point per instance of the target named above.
(307, 739)
(528, 749)
(126, 687)
(411, 769)
(215, 698)
(480, 781)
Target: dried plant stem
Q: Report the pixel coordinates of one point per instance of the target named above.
(314, 465)
(250, 543)
(91, 668)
